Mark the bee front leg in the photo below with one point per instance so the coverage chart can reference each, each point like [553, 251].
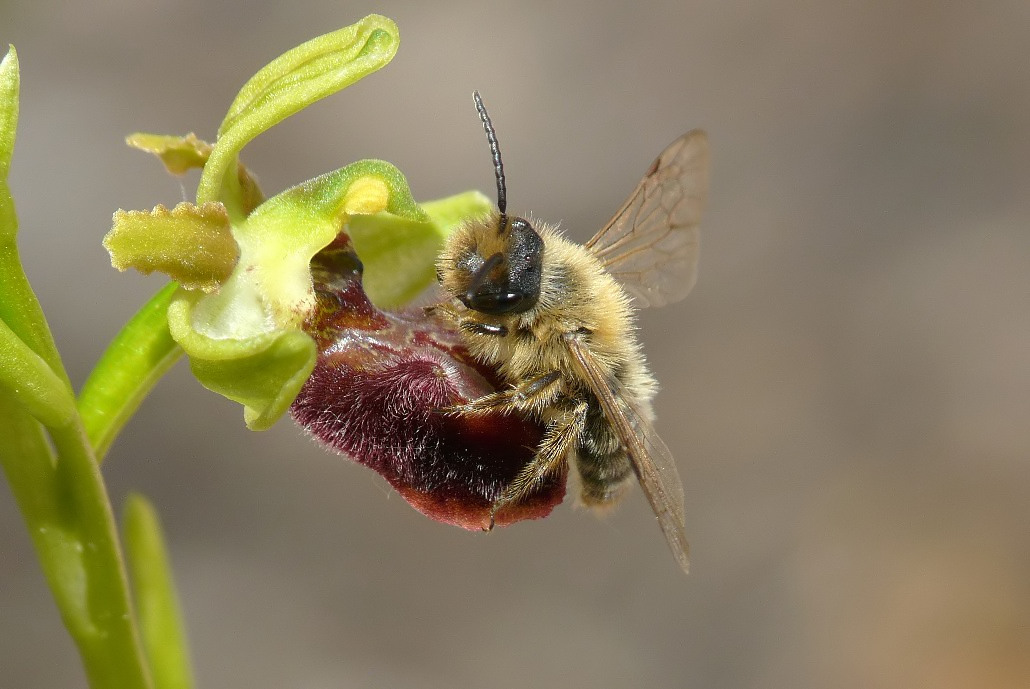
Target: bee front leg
[444, 310]
[449, 312]
[559, 438]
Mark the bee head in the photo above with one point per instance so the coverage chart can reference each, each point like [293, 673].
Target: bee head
[500, 274]
[499, 265]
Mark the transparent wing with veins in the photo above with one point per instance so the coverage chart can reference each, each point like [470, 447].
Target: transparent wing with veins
[653, 463]
[651, 244]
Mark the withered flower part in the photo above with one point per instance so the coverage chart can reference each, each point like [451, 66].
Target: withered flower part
[380, 383]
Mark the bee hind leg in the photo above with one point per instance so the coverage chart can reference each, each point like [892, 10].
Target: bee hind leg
[559, 438]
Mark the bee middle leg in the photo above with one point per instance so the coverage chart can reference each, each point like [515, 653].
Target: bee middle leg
[559, 438]
[528, 395]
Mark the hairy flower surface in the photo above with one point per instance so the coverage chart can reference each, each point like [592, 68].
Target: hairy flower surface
[377, 394]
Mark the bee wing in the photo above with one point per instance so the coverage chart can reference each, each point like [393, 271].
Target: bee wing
[651, 244]
[652, 461]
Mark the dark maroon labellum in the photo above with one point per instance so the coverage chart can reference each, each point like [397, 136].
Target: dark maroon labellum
[376, 395]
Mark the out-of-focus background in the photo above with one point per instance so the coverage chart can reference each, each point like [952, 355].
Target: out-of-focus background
[847, 390]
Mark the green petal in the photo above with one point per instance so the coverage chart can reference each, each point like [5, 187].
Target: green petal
[180, 154]
[264, 373]
[244, 341]
[271, 288]
[399, 254]
[191, 244]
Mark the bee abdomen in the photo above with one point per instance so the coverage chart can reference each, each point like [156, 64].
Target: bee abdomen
[603, 479]
[604, 467]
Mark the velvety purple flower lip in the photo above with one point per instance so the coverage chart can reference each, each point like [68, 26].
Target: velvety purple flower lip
[376, 395]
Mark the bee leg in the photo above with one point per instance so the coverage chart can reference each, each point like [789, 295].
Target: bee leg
[559, 438]
[534, 393]
[483, 329]
[444, 310]
[449, 312]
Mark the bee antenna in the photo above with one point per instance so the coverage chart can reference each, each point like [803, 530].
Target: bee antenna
[495, 150]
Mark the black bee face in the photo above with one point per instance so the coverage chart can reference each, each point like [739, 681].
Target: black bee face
[507, 281]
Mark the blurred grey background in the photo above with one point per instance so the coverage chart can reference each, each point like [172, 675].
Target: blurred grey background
[847, 390]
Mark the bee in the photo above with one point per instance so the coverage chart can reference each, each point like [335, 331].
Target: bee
[557, 321]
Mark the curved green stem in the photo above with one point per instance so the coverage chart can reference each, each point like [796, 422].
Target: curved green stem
[68, 515]
[130, 367]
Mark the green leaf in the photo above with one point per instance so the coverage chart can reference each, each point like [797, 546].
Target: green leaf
[10, 80]
[19, 308]
[31, 382]
[157, 604]
[288, 84]
[191, 244]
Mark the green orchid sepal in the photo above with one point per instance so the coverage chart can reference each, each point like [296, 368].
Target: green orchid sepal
[246, 340]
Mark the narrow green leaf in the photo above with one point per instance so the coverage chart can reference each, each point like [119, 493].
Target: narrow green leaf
[9, 85]
[130, 367]
[33, 383]
[19, 308]
[157, 604]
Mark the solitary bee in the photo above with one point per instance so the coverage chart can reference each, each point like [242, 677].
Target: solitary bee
[556, 319]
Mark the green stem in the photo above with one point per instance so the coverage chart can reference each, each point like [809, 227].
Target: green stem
[56, 480]
[68, 515]
[130, 367]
